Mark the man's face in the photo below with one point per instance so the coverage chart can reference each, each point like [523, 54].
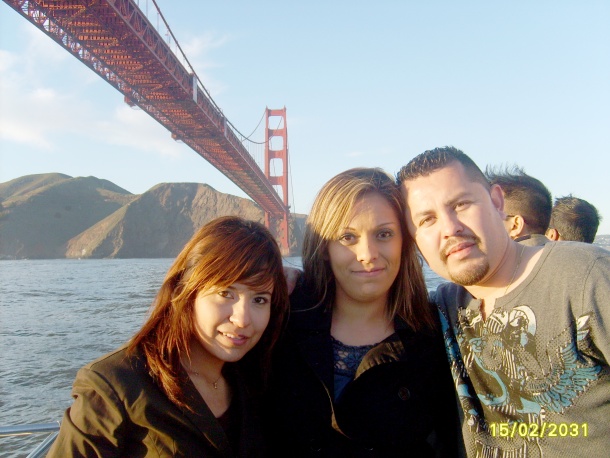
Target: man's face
[457, 224]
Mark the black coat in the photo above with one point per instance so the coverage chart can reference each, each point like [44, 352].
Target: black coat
[400, 402]
[119, 410]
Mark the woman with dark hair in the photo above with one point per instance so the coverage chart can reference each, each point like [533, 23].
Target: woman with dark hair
[362, 369]
[186, 384]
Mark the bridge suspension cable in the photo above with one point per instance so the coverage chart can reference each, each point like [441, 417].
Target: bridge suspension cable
[119, 42]
[192, 70]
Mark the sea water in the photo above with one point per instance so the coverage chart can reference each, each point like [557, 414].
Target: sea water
[58, 315]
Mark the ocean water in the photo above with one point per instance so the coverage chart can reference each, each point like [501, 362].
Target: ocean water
[56, 316]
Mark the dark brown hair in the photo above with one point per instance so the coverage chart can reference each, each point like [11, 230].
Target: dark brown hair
[575, 219]
[432, 160]
[523, 195]
[227, 250]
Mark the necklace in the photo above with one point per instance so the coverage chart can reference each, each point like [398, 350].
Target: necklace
[515, 271]
[214, 383]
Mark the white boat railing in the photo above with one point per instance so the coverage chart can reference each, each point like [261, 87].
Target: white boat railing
[38, 428]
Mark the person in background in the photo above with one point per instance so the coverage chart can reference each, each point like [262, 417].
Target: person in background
[527, 329]
[361, 370]
[188, 382]
[573, 219]
[527, 204]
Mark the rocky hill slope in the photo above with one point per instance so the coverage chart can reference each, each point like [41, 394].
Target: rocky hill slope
[57, 216]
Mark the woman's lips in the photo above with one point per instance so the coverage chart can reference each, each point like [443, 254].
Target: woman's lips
[369, 273]
[235, 339]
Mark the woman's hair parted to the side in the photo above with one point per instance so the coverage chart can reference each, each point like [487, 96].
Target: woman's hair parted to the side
[331, 211]
[227, 250]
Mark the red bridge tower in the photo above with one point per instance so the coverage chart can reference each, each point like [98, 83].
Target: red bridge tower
[277, 174]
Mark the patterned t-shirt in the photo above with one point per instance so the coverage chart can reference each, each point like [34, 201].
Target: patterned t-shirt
[533, 378]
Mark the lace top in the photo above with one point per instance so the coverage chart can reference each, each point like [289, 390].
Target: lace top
[347, 358]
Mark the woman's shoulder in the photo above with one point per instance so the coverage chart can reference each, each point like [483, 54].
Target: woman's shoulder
[118, 357]
[121, 377]
[305, 310]
[119, 367]
[302, 297]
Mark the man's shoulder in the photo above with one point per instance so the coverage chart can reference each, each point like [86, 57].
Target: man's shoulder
[574, 254]
[448, 293]
[533, 240]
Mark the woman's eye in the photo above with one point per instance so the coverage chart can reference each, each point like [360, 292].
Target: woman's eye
[385, 234]
[224, 293]
[261, 300]
[346, 239]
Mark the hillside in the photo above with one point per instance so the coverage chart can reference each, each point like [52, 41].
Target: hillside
[40, 213]
[159, 222]
[54, 215]
[25, 185]
[58, 216]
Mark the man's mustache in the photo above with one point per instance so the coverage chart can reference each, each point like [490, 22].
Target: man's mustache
[454, 241]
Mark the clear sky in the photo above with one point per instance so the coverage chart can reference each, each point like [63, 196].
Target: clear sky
[364, 83]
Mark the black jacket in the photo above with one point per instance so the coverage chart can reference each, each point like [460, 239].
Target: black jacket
[119, 410]
[400, 402]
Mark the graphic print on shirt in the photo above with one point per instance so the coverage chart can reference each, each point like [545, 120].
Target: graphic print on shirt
[514, 381]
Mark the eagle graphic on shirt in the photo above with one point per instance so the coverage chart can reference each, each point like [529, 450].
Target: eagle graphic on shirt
[513, 374]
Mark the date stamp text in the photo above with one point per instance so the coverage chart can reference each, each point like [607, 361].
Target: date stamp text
[532, 430]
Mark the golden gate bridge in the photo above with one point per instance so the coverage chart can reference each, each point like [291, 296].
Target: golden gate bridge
[117, 40]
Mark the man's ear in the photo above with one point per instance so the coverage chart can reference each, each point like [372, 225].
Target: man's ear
[497, 198]
[518, 227]
[552, 234]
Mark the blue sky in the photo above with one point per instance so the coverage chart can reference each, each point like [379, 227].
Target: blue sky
[364, 83]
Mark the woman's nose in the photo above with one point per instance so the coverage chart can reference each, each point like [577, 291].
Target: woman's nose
[366, 250]
[240, 315]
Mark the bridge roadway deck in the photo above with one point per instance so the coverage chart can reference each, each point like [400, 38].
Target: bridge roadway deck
[116, 40]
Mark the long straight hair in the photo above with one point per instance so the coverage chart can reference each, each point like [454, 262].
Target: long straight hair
[225, 251]
[331, 210]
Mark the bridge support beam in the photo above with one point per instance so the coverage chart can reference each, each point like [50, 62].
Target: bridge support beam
[276, 171]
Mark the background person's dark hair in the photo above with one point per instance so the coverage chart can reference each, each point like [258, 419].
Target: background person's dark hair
[432, 160]
[575, 219]
[523, 195]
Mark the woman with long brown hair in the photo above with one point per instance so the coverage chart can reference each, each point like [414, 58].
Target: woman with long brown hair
[187, 383]
[362, 369]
